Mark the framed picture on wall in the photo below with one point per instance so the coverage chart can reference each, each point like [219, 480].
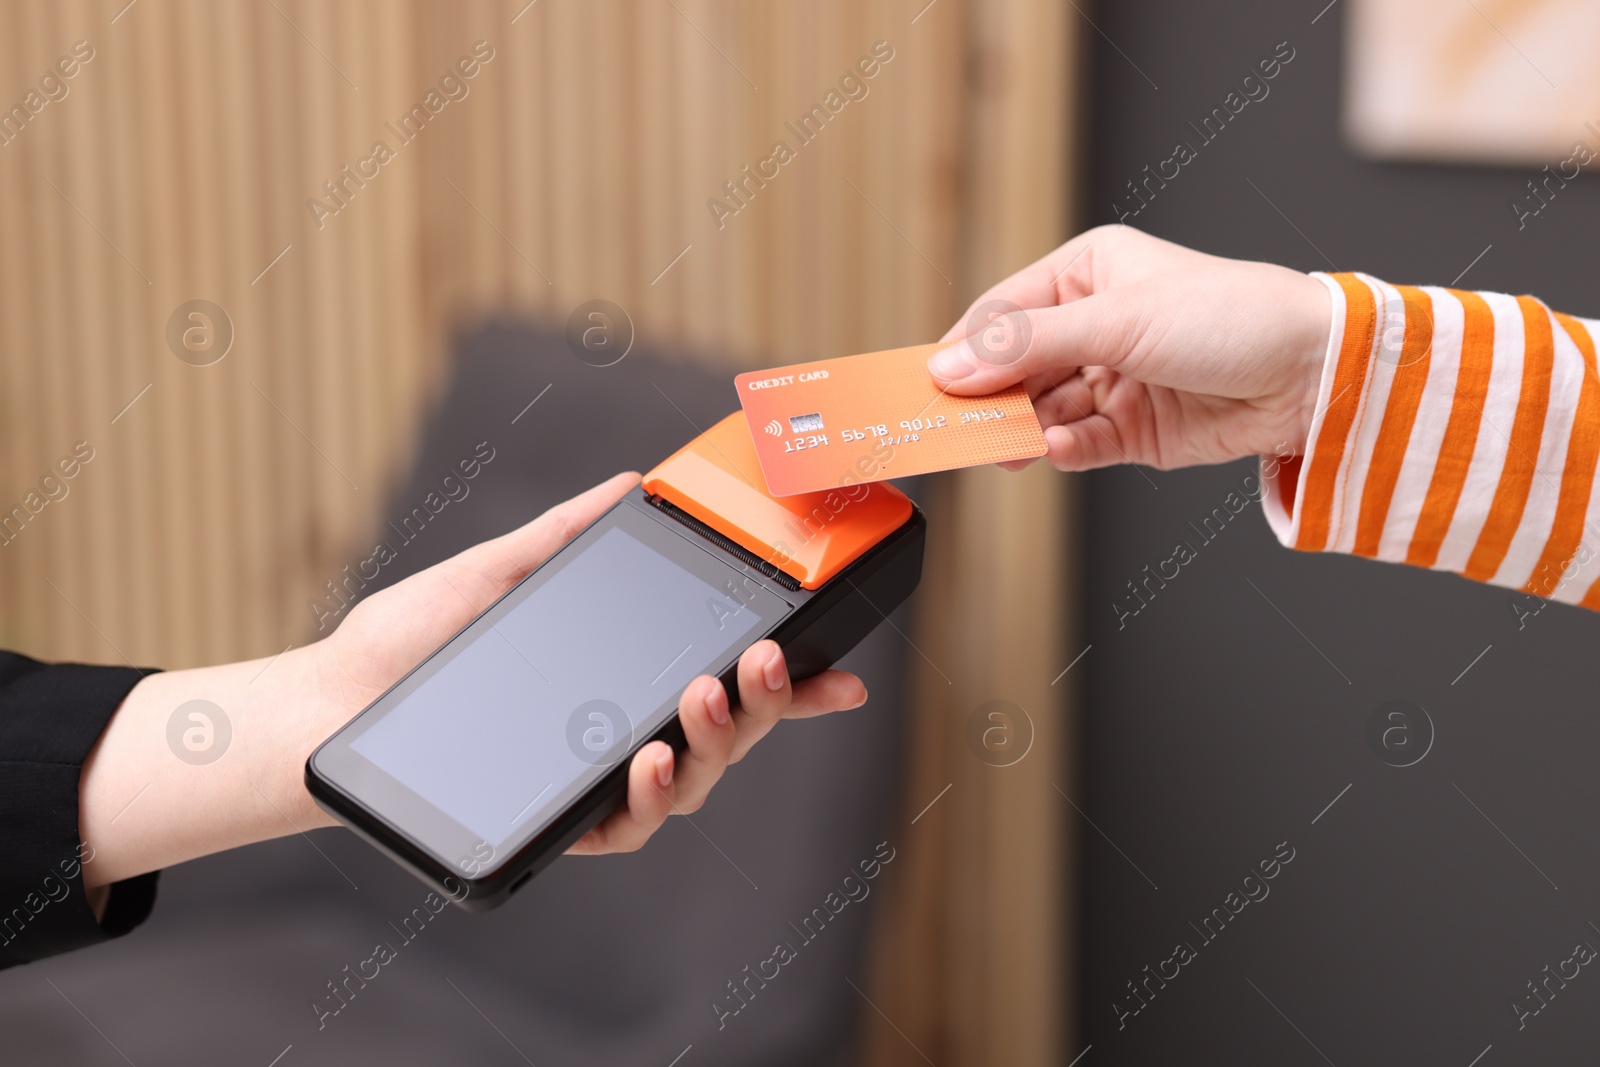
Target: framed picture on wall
[1475, 81]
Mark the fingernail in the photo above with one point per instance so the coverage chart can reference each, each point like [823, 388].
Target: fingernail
[950, 364]
[858, 703]
[773, 673]
[717, 703]
[664, 771]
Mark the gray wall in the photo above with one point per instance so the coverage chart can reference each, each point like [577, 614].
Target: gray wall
[1418, 906]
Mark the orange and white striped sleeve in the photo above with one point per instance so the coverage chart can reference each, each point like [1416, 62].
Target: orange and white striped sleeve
[1453, 430]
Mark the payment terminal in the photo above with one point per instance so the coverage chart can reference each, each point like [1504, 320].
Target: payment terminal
[494, 755]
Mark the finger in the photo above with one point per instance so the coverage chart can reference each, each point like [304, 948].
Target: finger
[1092, 262]
[1083, 445]
[1081, 266]
[1097, 331]
[1034, 286]
[764, 695]
[649, 802]
[708, 725]
[825, 693]
[495, 566]
[1065, 401]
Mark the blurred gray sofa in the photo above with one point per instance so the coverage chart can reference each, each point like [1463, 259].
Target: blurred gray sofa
[616, 960]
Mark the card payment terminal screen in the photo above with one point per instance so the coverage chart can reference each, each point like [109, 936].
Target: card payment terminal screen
[516, 718]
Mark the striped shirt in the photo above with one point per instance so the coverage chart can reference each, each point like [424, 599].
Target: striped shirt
[1453, 430]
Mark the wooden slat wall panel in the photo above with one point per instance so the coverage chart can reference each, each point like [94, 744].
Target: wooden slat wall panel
[595, 137]
[187, 148]
[578, 166]
[973, 962]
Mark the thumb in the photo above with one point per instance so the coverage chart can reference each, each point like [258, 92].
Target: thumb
[507, 559]
[1021, 343]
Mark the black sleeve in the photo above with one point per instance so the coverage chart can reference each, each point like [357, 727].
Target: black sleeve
[50, 717]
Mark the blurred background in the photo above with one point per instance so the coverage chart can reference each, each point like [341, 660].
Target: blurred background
[272, 337]
[358, 337]
[1437, 874]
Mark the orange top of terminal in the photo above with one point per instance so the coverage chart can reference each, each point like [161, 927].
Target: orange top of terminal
[717, 479]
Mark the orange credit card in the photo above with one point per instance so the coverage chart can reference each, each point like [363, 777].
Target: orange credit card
[838, 422]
